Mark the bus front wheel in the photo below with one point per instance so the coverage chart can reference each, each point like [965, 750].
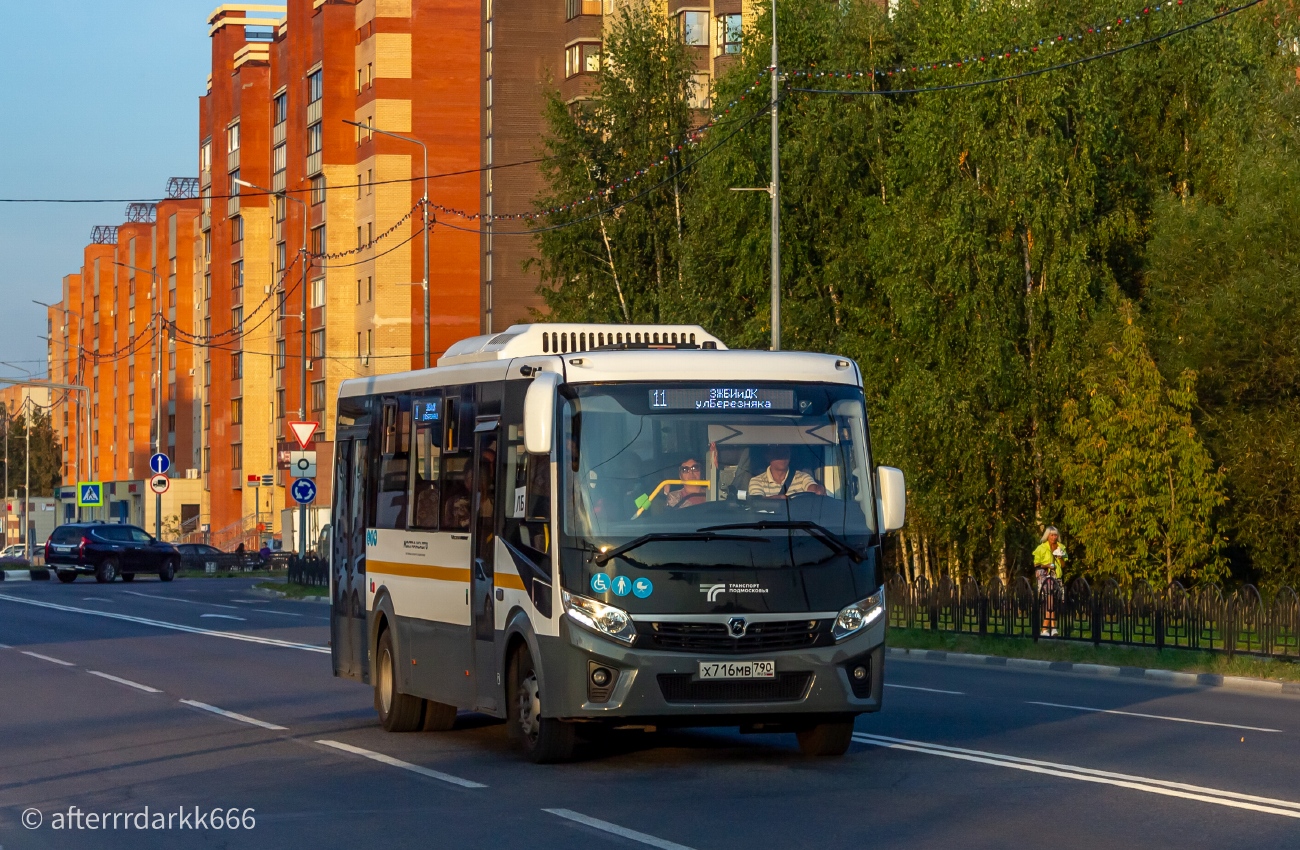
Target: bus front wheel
[545, 739]
[398, 712]
[826, 739]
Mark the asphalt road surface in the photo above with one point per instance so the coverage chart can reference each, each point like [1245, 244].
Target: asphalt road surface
[198, 696]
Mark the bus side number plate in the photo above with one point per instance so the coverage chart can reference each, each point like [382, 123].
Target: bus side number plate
[737, 669]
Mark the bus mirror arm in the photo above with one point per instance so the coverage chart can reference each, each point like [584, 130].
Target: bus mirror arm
[539, 413]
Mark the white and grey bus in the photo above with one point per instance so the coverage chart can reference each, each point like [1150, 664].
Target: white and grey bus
[568, 526]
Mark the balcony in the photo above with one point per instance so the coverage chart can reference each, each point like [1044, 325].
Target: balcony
[278, 133]
[277, 181]
[232, 206]
[313, 163]
[205, 220]
[314, 111]
[232, 160]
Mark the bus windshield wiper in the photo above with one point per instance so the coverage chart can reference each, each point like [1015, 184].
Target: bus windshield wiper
[823, 534]
[703, 534]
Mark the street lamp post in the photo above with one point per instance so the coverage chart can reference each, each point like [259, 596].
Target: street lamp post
[157, 397]
[424, 217]
[306, 261]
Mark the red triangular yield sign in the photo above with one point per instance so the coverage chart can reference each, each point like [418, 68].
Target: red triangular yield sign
[303, 431]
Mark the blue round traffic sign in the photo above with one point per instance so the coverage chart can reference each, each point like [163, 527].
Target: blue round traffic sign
[159, 464]
[303, 491]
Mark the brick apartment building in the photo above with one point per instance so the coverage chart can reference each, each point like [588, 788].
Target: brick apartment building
[327, 212]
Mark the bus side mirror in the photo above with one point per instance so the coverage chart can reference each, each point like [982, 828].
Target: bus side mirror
[539, 413]
[893, 498]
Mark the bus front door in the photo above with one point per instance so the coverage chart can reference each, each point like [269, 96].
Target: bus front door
[348, 562]
[482, 570]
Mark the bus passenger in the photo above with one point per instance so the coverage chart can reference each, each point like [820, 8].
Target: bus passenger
[778, 482]
[688, 496]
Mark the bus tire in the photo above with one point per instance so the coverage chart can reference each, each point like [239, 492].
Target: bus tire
[826, 739]
[438, 716]
[545, 740]
[398, 712]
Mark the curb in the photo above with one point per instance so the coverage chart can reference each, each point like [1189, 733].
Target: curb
[275, 594]
[1168, 677]
[33, 574]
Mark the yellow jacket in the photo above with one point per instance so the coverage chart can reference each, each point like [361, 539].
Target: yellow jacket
[1044, 559]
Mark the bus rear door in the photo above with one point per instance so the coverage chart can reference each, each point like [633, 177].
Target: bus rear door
[482, 571]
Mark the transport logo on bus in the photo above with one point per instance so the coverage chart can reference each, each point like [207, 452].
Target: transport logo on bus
[372, 537]
[712, 591]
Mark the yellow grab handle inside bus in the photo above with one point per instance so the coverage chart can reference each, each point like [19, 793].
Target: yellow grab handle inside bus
[660, 488]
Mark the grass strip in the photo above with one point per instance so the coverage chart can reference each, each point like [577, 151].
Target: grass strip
[1078, 652]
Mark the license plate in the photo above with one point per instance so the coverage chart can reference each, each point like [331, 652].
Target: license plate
[737, 669]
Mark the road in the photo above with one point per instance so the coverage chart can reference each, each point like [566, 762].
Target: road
[118, 713]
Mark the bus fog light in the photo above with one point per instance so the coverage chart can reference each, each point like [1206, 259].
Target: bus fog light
[600, 618]
[856, 617]
[860, 672]
[600, 677]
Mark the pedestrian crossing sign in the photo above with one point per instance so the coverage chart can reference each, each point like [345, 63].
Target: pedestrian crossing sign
[90, 494]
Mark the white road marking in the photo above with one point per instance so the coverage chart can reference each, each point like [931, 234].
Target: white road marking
[615, 829]
[1236, 800]
[48, 658]
[96, 599]
[194, 630]
[1154, 716]
[127, 682]
[927, 690]
[5, 646]
[174, 599]
[222, 617]
[404, 765]
[252, 601]
[242, 718]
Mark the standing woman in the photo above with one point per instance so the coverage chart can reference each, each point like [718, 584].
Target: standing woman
[1048, 560]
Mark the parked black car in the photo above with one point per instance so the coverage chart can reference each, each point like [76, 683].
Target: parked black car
[200, 556]
[108, 550]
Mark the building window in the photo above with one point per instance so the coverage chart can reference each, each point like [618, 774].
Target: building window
[318, 343]
[358, 290]
[236, 318]
[582, 58]
[318, 240]
[237, 281]
[207, 375]
[236, 411]
[281, 108]
[281, 208]
[318, 292]
[318, 395]
[318, 189]
[207, 460]
[236, 230]
[730, 28]
[279, 354]
[205, 156]
[236, 456]
[694, 28]
[281, 256]
[359, 351]
[574, 8]
[314, 139]
[236, 366]
[315, 86]
[232, 138]
[207, 416]
[370, 288]
[699, 92]
[280, 159]
[279, 404]
[370, 341]
[171, 423]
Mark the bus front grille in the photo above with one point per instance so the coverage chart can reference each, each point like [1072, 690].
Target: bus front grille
[765, 636]
[684, 688]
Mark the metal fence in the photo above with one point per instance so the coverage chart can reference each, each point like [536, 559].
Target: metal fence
[310, 571]
[1203, 618]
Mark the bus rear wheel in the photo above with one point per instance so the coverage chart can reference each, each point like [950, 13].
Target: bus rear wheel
[398, 712]
[545, 740]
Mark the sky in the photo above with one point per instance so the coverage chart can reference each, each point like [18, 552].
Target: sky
[99, 100]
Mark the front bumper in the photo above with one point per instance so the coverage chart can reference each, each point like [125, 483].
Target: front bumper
[638, 692]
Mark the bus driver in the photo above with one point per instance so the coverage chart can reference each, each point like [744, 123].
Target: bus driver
[688, 496]
[777, 481]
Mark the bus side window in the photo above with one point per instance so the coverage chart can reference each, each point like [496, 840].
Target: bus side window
[527, 480]
[394, 463]
[426, 490]
[456, 458]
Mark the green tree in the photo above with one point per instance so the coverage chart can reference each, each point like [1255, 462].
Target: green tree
[46, 460]
[623, 265]
[1140, 490]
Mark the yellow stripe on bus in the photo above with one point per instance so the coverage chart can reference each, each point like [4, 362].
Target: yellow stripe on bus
[392, 568]
[510, 580]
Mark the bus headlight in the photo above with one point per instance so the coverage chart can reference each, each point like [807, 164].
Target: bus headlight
[600, 618]
[859, 615]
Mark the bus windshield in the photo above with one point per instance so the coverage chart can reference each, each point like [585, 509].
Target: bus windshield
[749, 475]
